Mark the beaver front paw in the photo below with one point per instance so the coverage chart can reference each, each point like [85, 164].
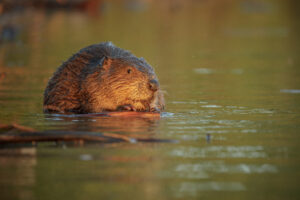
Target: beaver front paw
[126, 107]
[155, 110]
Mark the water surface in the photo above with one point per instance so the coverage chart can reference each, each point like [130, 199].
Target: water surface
[230, 70]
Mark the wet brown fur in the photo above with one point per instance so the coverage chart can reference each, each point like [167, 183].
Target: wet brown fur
[103, 77]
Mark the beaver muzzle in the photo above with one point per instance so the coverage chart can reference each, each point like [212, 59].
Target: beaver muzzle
[153, 85]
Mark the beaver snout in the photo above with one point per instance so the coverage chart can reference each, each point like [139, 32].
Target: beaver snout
[153, 85]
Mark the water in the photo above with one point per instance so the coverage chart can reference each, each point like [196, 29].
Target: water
[231, 73]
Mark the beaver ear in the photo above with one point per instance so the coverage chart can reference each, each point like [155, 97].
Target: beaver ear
[105, 62]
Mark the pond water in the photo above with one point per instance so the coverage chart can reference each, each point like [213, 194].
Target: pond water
[230, 70]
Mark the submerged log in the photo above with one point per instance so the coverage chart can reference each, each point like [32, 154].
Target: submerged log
[57, 137]
[15, 127]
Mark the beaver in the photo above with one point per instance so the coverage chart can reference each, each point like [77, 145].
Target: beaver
[103, 77]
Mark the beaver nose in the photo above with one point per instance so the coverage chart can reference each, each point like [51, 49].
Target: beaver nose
[153, 84]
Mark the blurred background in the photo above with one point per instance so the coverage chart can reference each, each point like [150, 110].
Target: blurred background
[230, 69]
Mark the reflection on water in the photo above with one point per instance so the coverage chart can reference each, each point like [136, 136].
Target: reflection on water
[188, 170]
[221, 152]
[192, 189]
[17, 172]
[231, 73]
[123, 125]
[293, 91]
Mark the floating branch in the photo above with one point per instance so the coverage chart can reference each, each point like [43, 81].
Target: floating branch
[14, 133]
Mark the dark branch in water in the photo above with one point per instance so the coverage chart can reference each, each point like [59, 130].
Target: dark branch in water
[13, 134]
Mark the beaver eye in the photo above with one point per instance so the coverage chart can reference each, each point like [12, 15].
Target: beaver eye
[128, 71]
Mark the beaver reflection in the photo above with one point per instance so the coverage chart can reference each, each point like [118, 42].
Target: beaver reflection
[123, 125]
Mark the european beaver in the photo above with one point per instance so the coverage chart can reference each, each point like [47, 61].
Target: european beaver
[103, 77]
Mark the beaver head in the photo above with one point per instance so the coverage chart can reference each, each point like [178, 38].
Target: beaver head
[104, 78]
[122, 83]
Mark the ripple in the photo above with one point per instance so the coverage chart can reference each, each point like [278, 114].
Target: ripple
[188, 102]
[55, 119]
[167, 114]
[203, 71]
[262, 111]
[193, 188]
[85, 157]
[220, 152]
[291, 91]
[193, 170]
[211, 106]
[249, 131]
